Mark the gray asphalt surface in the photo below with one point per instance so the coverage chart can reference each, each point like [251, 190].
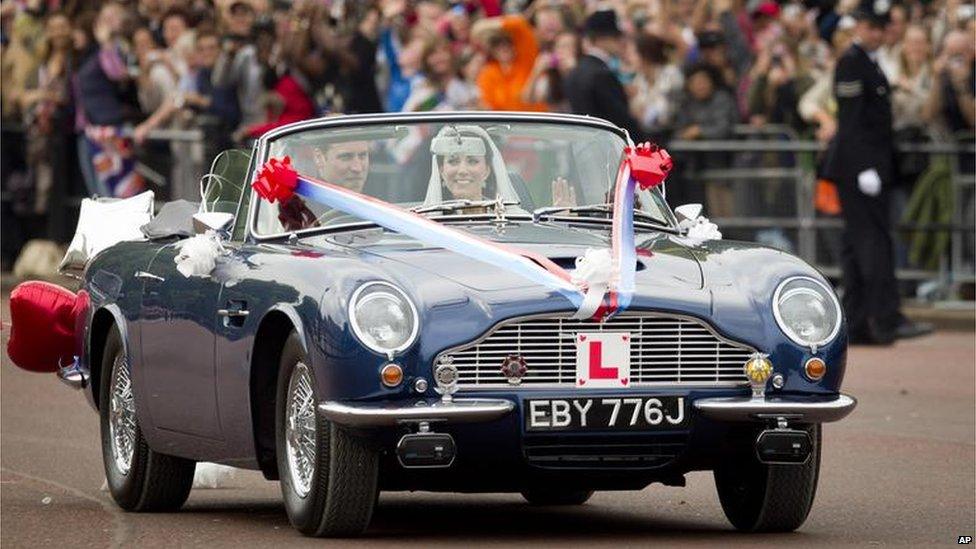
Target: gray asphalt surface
[900, 470]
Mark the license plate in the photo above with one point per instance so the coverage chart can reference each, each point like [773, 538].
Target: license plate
[642, 413]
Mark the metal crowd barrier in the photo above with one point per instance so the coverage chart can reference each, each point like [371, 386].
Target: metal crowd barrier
[957, 267]
[192, 164]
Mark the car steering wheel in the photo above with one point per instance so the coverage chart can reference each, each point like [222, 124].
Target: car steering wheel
[332, 216]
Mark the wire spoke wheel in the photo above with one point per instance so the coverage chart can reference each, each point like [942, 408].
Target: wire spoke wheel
[300, 430]
[139, 478]
[122, 416]
[328, 476]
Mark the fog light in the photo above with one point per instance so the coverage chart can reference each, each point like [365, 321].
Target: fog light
[815, 369]
[758, 369]
[446, 378]
[778, 381]
[391, 374]
[420, 385]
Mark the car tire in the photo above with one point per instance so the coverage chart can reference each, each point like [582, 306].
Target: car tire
[139, 478]
[769, 498]
[331, 491]
[556, 496]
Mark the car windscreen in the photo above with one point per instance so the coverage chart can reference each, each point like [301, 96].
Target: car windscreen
[528, 166]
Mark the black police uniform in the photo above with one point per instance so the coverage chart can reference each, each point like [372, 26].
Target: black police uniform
[865, 141]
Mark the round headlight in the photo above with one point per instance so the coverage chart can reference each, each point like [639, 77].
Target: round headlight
[807, 311]
[383, 317]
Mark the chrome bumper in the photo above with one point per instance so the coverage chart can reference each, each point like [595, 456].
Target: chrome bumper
[460, 410]
[750, 409]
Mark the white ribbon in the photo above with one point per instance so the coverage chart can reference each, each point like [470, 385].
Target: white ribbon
[206, 476]
[593, 272]
[696, 226]
[702, 229]
[197, 256]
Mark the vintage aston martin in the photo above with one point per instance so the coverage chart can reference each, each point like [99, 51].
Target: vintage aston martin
[343, 354]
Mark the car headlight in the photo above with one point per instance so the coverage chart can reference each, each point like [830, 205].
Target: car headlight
[383, 317]
[807, 311]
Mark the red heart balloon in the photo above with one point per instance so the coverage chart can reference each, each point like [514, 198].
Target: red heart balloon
[44, 322]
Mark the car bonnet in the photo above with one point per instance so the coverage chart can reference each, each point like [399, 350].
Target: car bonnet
[662, 260]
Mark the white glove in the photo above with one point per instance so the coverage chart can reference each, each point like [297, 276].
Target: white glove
[869, 182]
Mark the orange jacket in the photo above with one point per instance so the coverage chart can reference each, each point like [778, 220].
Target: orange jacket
[501, 90]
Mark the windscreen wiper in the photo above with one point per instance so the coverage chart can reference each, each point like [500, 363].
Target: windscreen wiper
[607, 207]
[548, 210]
[451, 205]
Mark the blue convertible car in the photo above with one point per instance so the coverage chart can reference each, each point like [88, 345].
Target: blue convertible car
[344, 358]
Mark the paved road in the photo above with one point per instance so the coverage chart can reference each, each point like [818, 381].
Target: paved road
[899, 470]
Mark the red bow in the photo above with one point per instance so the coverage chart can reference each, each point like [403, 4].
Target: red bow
[276, 180]
[649, 164]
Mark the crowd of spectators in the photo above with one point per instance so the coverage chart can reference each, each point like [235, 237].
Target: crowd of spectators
[84, 84]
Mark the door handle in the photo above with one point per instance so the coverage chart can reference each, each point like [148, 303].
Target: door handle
[149, 276]
[233, 313]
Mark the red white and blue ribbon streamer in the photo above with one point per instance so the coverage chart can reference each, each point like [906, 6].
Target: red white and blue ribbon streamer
[644, 166]
[622, 251]
[278, 181]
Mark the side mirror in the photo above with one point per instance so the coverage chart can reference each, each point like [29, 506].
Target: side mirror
[211, 221]
[694, 225]
[686, 214]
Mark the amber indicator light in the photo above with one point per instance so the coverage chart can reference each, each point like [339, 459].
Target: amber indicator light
[815, 369]
[392, 375]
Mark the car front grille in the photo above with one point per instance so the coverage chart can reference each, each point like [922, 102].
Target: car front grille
[665, 349]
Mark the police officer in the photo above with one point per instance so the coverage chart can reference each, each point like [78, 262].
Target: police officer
[861, 160]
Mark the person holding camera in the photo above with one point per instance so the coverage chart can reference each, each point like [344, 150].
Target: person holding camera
[238, 67]
[103, 90]
[951, 104]
[545, 85]
[511, 48]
